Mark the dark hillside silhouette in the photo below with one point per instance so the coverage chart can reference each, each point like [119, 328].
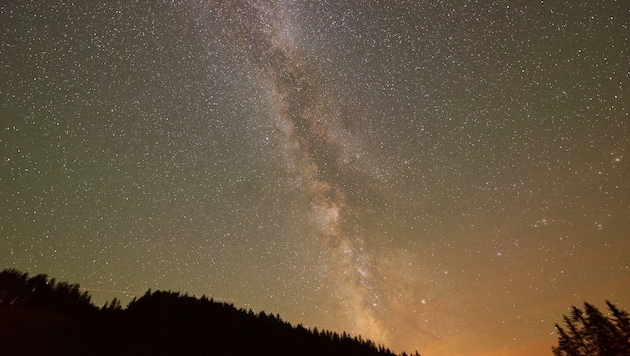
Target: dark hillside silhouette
[41, 317]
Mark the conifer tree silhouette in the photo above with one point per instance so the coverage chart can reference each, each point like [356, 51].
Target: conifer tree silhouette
[591, 333]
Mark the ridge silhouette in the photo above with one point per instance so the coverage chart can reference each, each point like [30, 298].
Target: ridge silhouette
[41, 317]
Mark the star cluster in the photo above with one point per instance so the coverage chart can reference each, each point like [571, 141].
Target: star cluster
[447, 178]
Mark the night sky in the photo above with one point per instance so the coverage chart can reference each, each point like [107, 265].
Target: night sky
[447, 177]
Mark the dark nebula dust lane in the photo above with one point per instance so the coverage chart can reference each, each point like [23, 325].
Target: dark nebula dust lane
[447, 178]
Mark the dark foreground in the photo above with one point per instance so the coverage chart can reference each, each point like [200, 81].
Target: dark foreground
[40, 317]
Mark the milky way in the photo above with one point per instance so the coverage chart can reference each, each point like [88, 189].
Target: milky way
[318, 158]
[441, 177]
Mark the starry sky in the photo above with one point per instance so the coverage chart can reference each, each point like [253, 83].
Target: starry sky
[447, 177]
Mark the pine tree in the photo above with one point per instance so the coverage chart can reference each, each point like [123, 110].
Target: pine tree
[591, 333]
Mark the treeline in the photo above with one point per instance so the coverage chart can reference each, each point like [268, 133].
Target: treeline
[39, 292]
[589, 332]
[41, 317]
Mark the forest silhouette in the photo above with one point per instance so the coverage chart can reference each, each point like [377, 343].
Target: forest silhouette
[589, 332]
[39, 316]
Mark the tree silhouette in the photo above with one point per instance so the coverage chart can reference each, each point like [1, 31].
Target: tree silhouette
[41, 317]
[591, 333]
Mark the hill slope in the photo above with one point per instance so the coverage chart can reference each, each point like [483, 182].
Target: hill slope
[40, 317]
